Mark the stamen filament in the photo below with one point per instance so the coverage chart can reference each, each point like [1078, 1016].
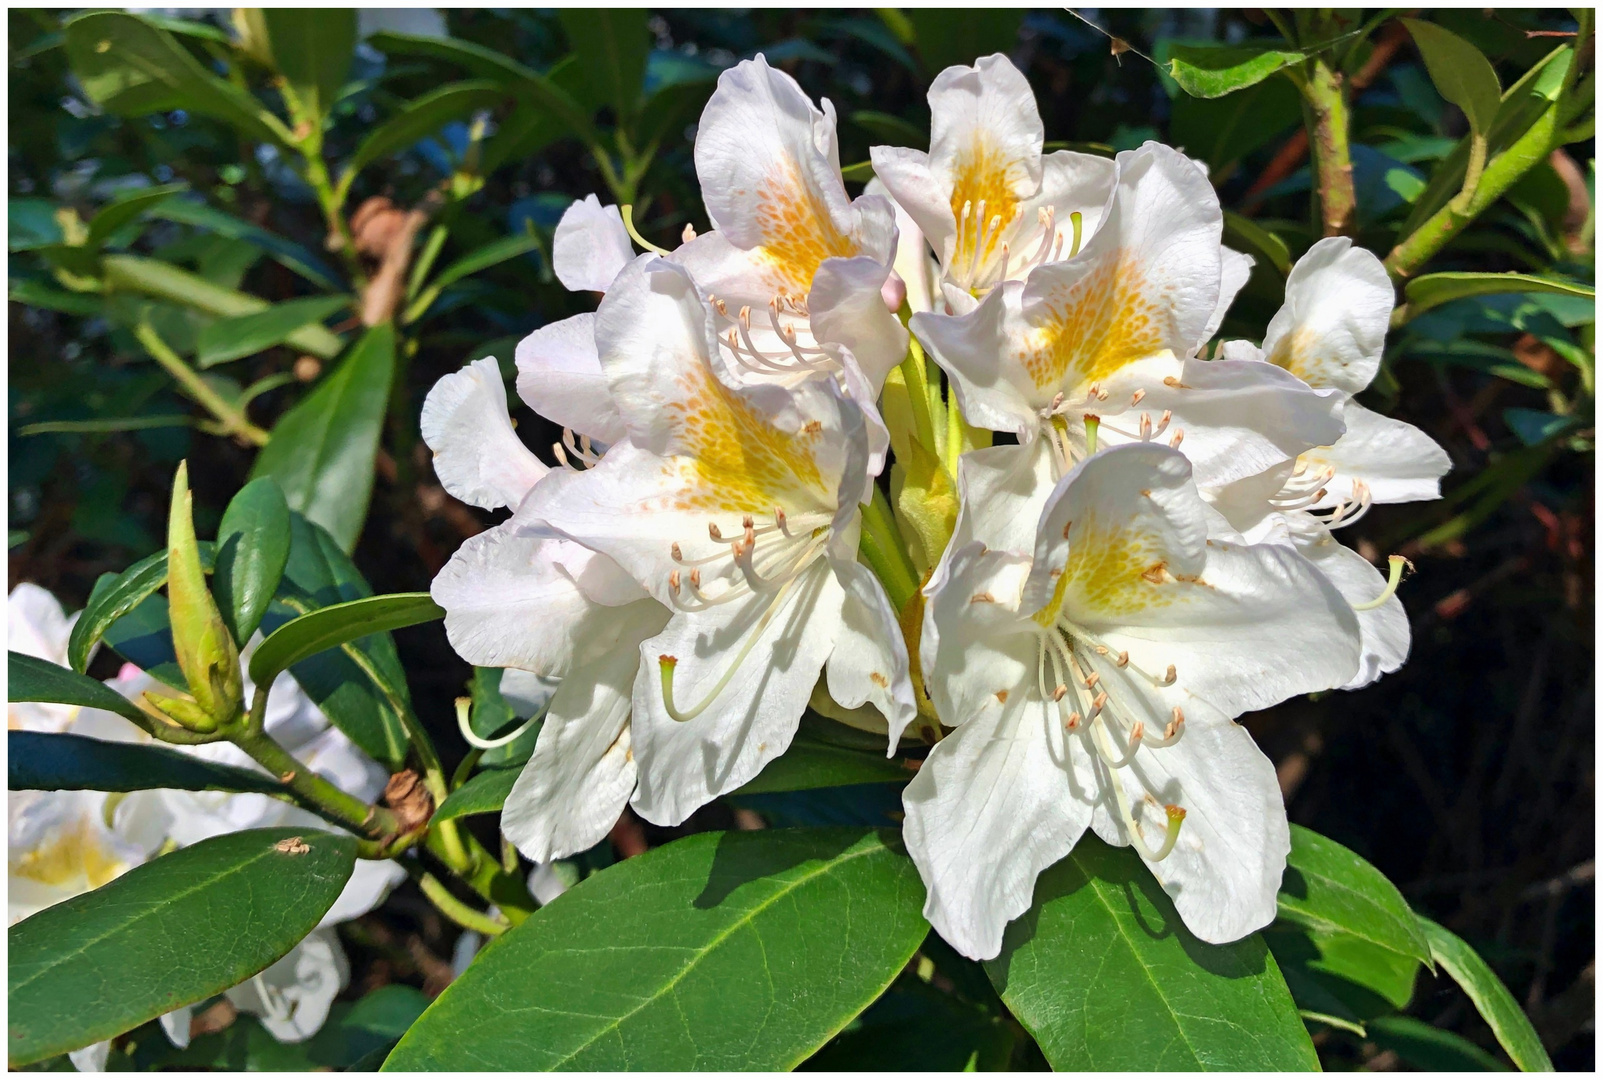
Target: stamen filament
[627, 210]
[1392, 581]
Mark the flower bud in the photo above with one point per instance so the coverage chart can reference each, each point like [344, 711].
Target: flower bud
[206, 652]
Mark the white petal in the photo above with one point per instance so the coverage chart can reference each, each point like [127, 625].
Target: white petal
[176, 1025]
[560, 377]
[846, 307]
[1333, 326]
[1234, 271]
[91, 1058]
[906, 175]
[370, 882]
[753, 716]
[590, 246]
[913, 262]
[477, 456]
[293, 996]
[582, 771]
[1385, 630]
[994, 389]
[1399, 462]
[868, 664]
[36, 625]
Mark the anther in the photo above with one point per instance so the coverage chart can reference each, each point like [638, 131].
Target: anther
[1099, 701]
[1073, 721]
[1179, 434]
[689, 234]
[1168, 677]
[677, 553]
[713, 530]
[1176, 815]
[695, 578]
[1124, 659]
[1138, 730]
[1059, 691]
[1135, 398]
[1171, 382]
[1092, 679]
[673, 579]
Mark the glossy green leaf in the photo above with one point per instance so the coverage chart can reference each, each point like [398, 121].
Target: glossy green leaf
[131, 68]
[1340, 974]
[497, 251]
[115, 595]
[1433, 290]
[484, 793]
[423, 117]
[119, 212]
[169, 933]
[331, 626]
[1461, 72]
[956, 35]
[915, 1028]
[322, 450]
[312, 48]
[718, 951]
[152, 277]
[494, 716]
[1222, 131]
[611, 45]
[1211, 71]
[890, 129]
[42, 761]
[40, 295]
[1105, 976]
[1429, 1048]
[811, 763]
[30, 679]
[1327, 888]
[1248, 236]
[252, 550]
[1492, 999]
[287, 253]
[246, 335]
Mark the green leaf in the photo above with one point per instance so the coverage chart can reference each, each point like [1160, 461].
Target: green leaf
[115, 595]
[246, 335]
[331, 626]
[810, 763]
[1492, 999]
[252, 551]
[493, 716]
[1222, 131]
[322, 450]
[890, 129]
[423, 117]
[286, 252]
[1105, 976]
[1433, 290]
[41, 761]
[1256, 240]
[1461, 72]
[152, 277]
[1534, 427]
[484, 793]
[30, 679]
[497, 251]
[956, 35]
[612, 45]
[131, 68]
[114, 215]
[718, 951]
[1327, 888]
[312, 48]
[1429, 1048]
[1211, 71]
[169, 933]
[40, 295]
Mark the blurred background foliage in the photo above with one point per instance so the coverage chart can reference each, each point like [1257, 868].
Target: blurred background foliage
[155, 227]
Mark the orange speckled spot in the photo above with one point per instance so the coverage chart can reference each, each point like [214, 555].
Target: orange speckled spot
[981, 175]
[1110, 571]
[798, 233]
[1096, 326]
[734, 460]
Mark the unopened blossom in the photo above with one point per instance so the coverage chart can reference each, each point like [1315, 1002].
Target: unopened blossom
[540, 606]
[737, 507]
[989, 202]
[1330, 333]
[1110, 338]
[1092, 673]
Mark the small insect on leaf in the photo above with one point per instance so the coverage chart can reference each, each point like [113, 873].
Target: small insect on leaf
[292, 845]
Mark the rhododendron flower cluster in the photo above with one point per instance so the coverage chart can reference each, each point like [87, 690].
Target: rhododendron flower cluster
[1072, 619]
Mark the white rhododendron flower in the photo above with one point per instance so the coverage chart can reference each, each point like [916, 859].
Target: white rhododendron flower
[1093, 678]
[64, 843]
[989, 202]
[1330, 333]
[1112, 334]
[737, 507]
[519, 598]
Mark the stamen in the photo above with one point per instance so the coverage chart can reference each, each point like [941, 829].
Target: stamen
[464, 704]
[1092, 422]
[688, 235]
[627, 211]
[1393, 580]
[1179, 434]
[1135, 398]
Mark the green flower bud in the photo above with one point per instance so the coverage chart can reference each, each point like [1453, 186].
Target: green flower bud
[206, 652]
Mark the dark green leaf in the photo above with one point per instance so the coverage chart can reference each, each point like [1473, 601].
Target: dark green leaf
[114, 215]
[891, 130]
[327, 627]
[484, 793]
[115, 595]
[1221, 131]
[1328, 888]
[718, 951]
[956, 35]
[132, 68]
[169, 933]
[322, 451]
[611, 45]
[1492, 999]
[1247, 235]
[252, 550]
[286, 252]
[493, 716]
[1432, 290]
[39, 761]
[1429, 1048]
[916, 1028]
[497, 251]
[531, 127]
[246, 335]
[1534, 427]
[424, 117]
[810, 763]
[144, 638]
[30, 679]
[1105, 975]
[40, 295]
[1210, 71]
[152, 277]
[1461, 72]
[311, 47]
[32, 224]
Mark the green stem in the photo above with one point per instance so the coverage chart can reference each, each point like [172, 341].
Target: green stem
[483, 873]
[1328, 141]
[456, 910]
[915, 373]
[309, 788]
[882, 549]
[232, 419]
